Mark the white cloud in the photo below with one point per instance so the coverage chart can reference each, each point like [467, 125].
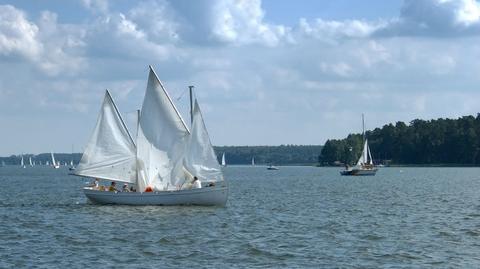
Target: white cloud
[96, 6]
[18, 35]
[246, 70]
[242, 22]
[435, 18]
[335, 31]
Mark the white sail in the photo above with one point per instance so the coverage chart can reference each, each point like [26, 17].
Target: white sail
[71, 162]
[110, 153]
[224, 163]
[200, 159]
[53, 159]
[162, 135]
[21, 162]
[370, 159]
[47, 163]
[253, 161]
[30, 161]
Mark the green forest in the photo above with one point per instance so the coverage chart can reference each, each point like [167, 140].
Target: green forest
[422, 142]
[278, 155]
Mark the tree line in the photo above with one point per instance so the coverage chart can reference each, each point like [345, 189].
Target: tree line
[440, 141]
[278, 155]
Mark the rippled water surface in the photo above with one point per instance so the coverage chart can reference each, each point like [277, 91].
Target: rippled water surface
[297, 217]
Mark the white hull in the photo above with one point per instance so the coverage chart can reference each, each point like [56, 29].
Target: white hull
[208, 196]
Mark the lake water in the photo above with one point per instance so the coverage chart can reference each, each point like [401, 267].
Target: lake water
[297, 217]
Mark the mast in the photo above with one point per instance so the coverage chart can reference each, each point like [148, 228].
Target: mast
[190, 88]
[363, 127]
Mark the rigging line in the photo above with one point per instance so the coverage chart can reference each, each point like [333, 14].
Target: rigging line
[181, 95]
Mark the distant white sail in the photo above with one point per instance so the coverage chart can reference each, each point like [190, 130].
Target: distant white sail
[21, 162]
[47, 163]
[253, 161]
[162, 135]
[53, 159]
[71, 162]
[30, 161]
[110, 153]
[224, 163]
[200, 159]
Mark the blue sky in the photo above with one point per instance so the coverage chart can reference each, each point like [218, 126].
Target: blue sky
[266, 72]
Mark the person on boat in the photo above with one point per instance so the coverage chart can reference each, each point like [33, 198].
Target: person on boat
[132, 189]
[95, 184]
[125, 188]
[112, 186]
[149, 189]
[196, 184]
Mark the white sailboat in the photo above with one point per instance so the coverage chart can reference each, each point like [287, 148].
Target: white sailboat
[55, 164]
[161, 162]
[30, 161]
[72, 166]
[253, 161]
[272, 167]
[364, 165]
[224, 163]
[22, 164]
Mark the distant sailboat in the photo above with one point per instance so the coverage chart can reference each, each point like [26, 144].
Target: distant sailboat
[54, 163]
[253, 161]
[47, 163]
[72, 167]
[22, 164]
[30, 161]
[223, 160]
[272, 167]
[364, 166]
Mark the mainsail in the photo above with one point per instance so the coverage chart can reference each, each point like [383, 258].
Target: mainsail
[200, 159]
[161, 140]
[110, 153]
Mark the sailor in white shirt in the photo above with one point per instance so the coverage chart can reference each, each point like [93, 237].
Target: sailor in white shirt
[196, 184]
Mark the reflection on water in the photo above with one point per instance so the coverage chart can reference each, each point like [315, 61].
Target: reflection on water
[293, 217]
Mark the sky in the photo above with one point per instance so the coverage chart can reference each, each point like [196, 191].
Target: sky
[265, 72]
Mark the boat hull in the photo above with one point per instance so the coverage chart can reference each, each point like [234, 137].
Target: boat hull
[359, 172]
[207, 196]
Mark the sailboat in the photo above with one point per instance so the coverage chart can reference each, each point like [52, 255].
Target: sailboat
[163, 160]
[224, 163]
[272, 167]
[72, 167]
[22, 164]
[365, 165]
[30, 161]
[253, 161]
[55, 165]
